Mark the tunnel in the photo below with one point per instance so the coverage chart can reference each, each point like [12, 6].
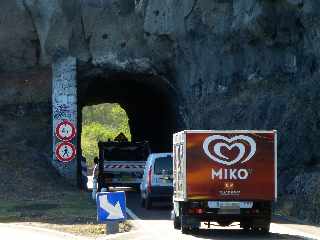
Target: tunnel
[151, 104]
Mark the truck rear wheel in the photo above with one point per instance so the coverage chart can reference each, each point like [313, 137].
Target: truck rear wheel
[189, 229]
[265, 229]
[142, 202]
[148, 203]
[176, 223]
[188, 224]
[246, 228]
[262, 229]
[245, 225]
[185, 229]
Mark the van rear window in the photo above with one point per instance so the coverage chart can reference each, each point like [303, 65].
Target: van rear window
[163, 165]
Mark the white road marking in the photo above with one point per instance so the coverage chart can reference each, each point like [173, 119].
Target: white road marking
[132, 215]
[150, 228]
[143, 227]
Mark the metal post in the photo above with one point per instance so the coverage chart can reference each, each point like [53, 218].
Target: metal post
[64, 107]
[112, 227]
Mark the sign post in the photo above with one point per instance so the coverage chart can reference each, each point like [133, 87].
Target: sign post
[111, 209]
[64, 117]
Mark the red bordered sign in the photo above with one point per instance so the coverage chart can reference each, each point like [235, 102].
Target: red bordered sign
[65, 151]
[65, 131]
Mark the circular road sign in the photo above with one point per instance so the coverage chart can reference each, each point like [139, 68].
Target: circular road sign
[65, 131]
[65, 151]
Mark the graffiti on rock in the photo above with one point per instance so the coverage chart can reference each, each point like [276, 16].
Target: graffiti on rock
[62, 112]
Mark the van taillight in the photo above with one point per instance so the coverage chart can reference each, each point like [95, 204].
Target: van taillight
[149, 179]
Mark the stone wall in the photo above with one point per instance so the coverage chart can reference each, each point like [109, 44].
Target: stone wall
[237, 64]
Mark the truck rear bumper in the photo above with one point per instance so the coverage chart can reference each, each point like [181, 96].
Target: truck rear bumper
[221, 217]
[225, 220]
[258, 215]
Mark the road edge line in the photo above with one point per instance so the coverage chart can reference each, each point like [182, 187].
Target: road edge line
[132, 214]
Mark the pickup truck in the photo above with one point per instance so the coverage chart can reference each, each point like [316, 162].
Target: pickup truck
[224, 177]
[121, 163]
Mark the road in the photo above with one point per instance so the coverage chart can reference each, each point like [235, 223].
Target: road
[155, 224]
[20, 231]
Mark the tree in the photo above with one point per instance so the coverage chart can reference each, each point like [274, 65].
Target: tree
[100, 123]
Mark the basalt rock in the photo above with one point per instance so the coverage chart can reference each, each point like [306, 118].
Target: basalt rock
[229, 65]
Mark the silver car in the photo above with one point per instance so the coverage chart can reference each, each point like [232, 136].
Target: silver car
[156, 182]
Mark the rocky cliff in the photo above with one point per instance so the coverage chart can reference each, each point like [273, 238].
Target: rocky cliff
[241, 64]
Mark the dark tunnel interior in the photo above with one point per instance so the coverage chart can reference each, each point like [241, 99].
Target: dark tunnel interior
[151, 105]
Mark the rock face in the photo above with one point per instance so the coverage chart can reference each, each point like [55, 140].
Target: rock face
[238, 64]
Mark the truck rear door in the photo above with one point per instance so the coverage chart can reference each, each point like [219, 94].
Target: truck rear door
[231, 165]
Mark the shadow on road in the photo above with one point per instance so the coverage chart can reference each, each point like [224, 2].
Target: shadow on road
[160, 209]
[158, 219]
[232, 234]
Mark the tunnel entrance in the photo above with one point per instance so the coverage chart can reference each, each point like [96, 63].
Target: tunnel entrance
[101, 122]
[149, 101]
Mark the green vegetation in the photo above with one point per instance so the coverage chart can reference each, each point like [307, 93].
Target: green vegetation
[100, 123]
[67, 211]
[65, 207]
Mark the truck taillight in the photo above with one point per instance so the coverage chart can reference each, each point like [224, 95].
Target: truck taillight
[255, 211]
[198, 210]
[149, 179]
[195, 210]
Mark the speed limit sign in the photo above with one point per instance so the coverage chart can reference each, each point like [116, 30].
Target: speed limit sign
[65, 130]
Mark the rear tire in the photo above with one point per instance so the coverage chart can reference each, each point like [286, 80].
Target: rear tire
[176, 223]
[245, 226]
[148, 203]
[142, 202]
[194, 230]
[262, 230]
[185, 229]
[265, 229]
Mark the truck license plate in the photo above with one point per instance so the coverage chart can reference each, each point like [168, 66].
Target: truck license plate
[231, 211]
[229, 204]
[219, 204]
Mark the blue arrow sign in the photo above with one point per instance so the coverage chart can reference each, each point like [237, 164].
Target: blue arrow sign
[111, 206]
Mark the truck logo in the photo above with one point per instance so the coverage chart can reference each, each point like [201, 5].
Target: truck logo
[213, 145]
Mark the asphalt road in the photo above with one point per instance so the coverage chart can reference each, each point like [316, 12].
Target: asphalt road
[156, 224]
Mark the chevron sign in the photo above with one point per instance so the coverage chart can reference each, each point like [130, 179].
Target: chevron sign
[111, 206]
